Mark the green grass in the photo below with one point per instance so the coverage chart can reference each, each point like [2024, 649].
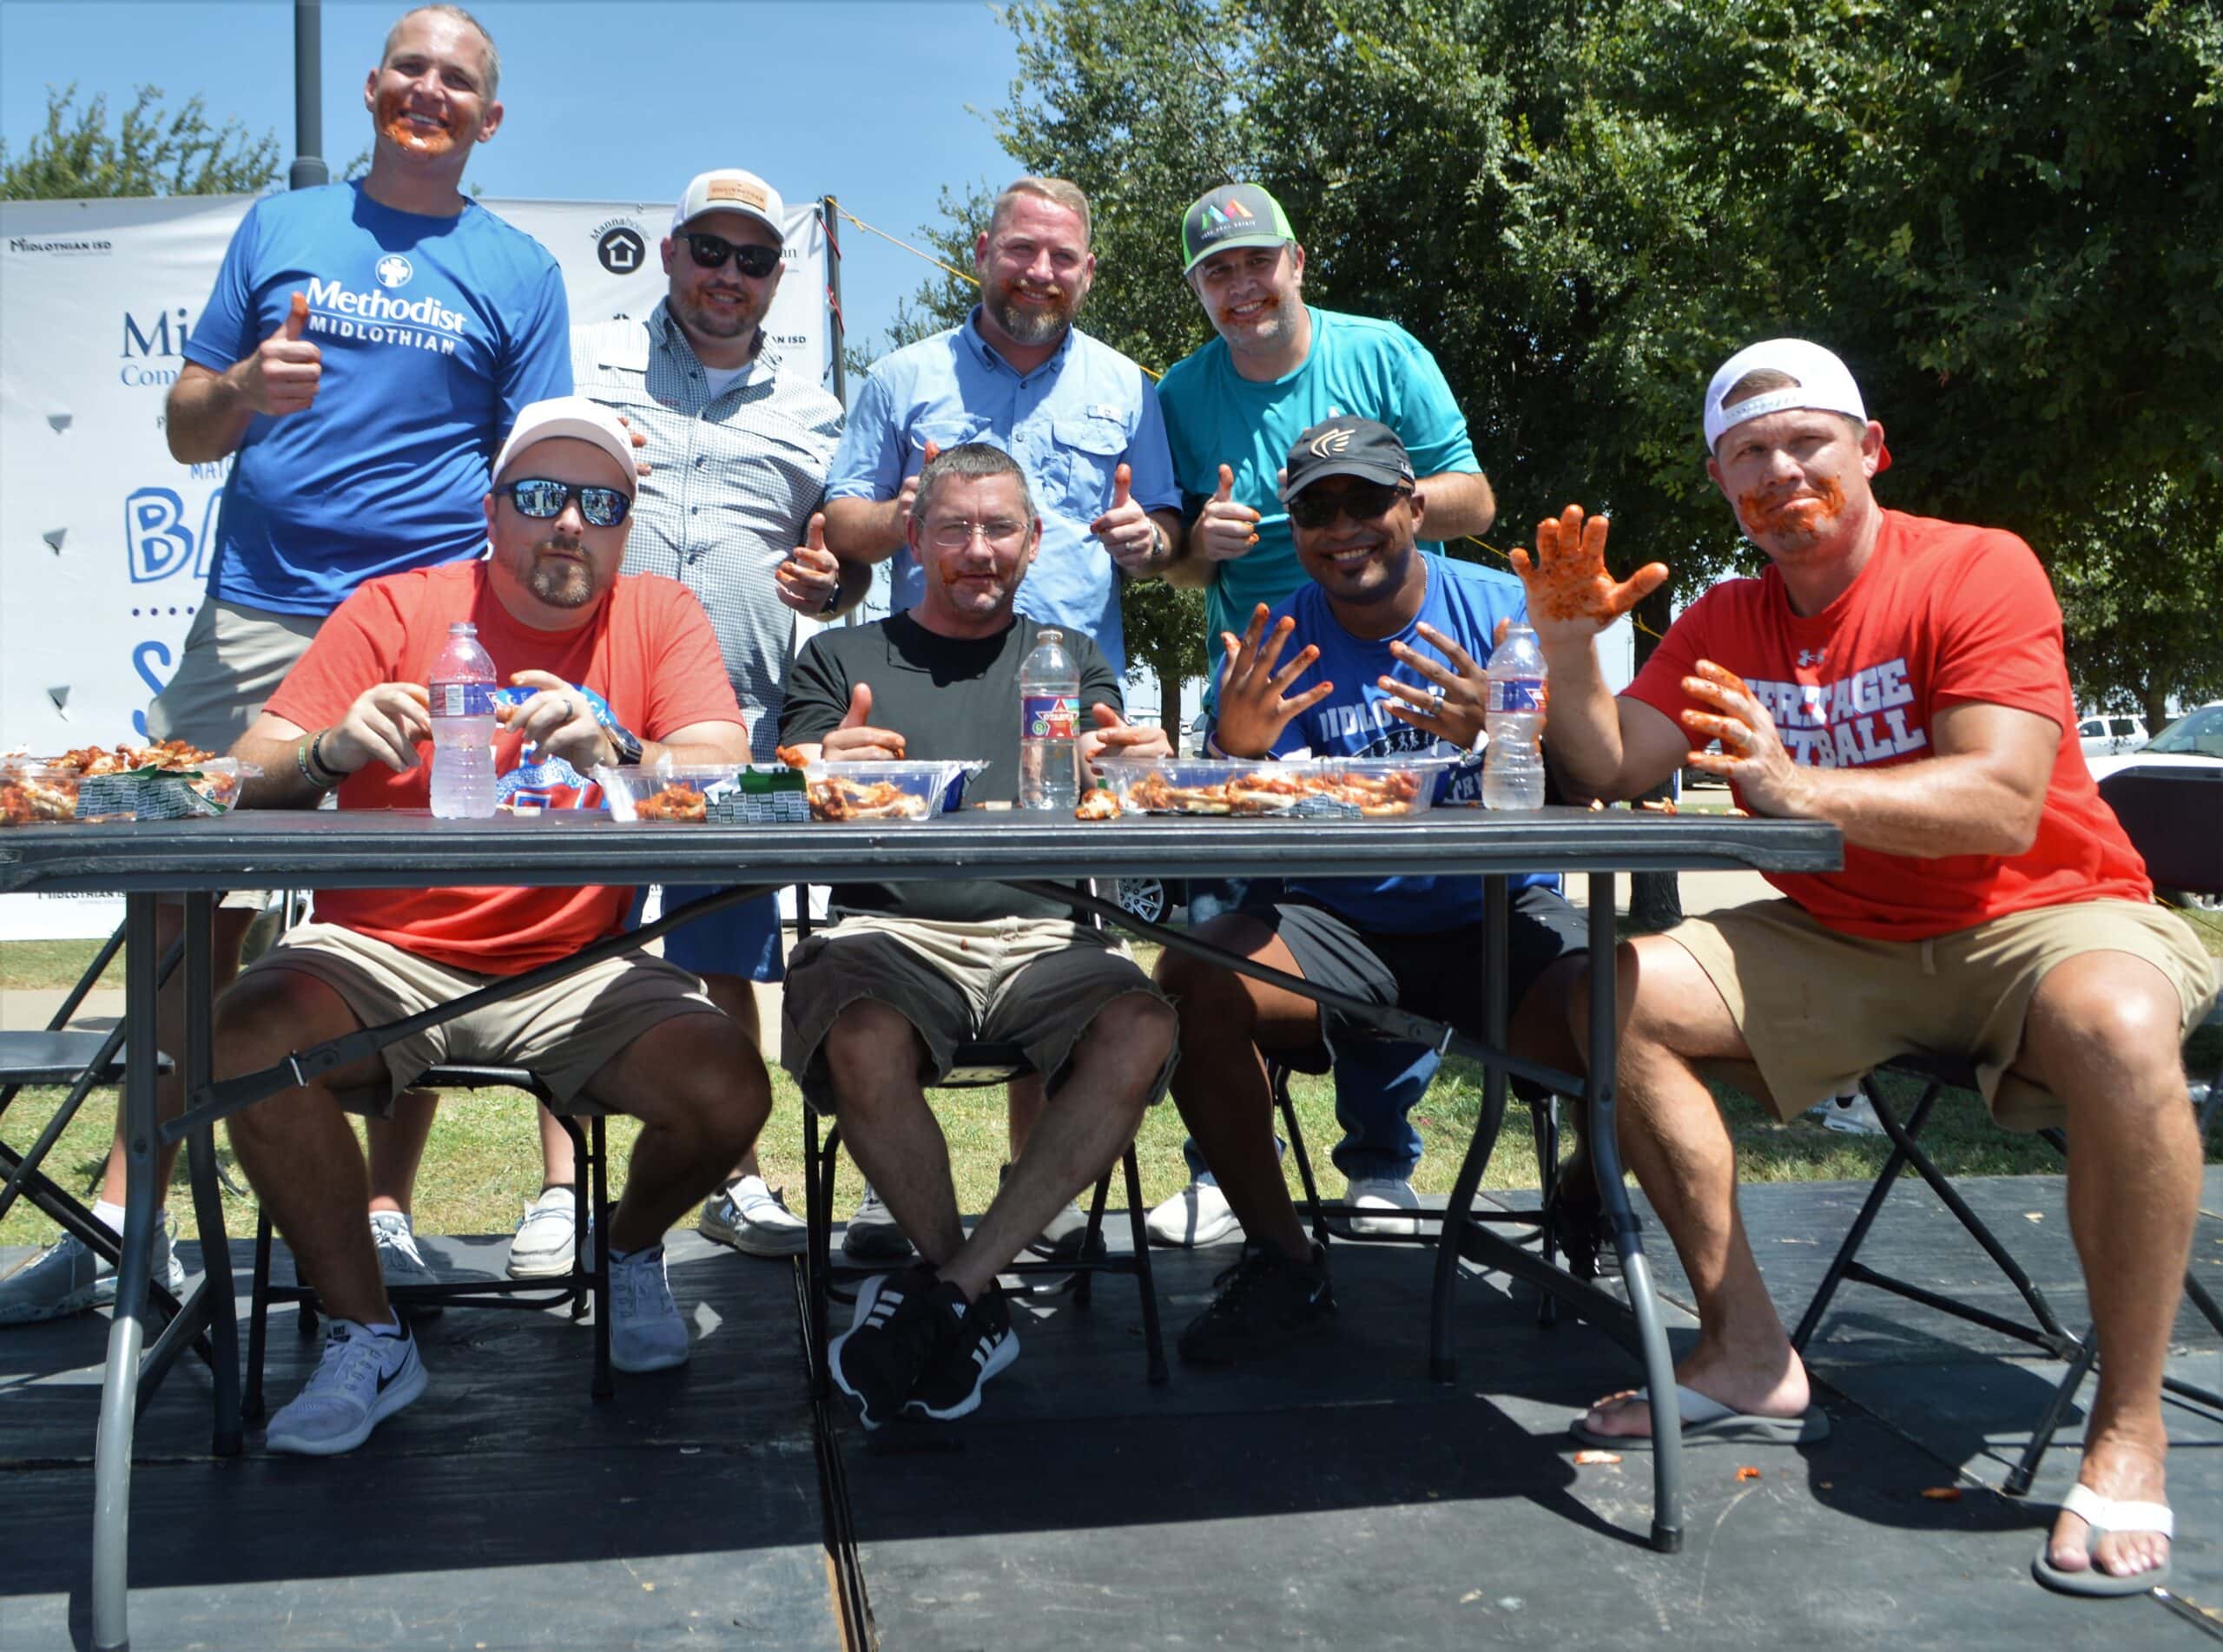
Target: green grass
[483, 1159]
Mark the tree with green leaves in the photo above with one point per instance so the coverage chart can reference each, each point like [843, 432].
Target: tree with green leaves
[150, 152]
[2008, 218]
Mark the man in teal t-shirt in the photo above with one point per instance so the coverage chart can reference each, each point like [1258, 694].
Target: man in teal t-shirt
[1232, 410]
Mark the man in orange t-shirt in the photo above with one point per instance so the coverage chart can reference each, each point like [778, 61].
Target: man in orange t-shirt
[1903, 679]
[632, 1035]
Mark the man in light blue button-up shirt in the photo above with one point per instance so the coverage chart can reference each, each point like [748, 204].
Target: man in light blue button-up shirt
[1018, 373]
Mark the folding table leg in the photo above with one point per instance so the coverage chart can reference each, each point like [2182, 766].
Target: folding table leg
[1153, 1339]
[1442, 1363]
[208, 1201]
[120, 1380]
[604, 1388]
[1629, 1241]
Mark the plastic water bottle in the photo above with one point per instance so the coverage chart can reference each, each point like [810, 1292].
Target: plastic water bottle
[1049, 720]
[463, 728]
[1512, 766]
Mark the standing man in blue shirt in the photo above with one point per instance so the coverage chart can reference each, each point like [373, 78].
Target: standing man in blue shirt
[1390, 651]
[366, 347]
[1277, 367]
[1077, 415]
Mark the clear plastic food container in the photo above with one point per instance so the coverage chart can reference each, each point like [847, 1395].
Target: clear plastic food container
[913, 790]
[1338, 788]
[712, 794]
[36, 793]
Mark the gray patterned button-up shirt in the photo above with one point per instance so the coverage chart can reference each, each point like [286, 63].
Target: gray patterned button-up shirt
[733, 480]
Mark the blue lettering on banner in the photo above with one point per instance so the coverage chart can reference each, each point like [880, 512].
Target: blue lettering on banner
[156, 539]
[140, 655]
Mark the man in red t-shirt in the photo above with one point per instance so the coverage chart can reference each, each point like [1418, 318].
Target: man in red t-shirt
[633, 1035]
[1903, 679]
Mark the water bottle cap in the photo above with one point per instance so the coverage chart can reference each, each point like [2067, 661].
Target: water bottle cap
[462, 627]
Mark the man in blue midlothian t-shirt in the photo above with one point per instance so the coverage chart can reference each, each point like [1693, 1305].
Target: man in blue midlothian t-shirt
[1275, 365]
[1383, 650]
[365, 349]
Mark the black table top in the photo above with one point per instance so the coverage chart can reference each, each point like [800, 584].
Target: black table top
[389, 849]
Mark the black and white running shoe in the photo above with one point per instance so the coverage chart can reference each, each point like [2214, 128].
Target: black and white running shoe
[973, 1349]
[899, 1322]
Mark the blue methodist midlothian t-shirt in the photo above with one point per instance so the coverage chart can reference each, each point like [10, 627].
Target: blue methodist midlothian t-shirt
[434, 332]
[1463, 601]
[1070, 423]
[1358, 367]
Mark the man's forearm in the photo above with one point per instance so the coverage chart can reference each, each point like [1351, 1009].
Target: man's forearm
[1458, 503]
[853, 585]
[292, 774]
[205, 415]
[1187, 570]
[1957, 804]
[1582, 725]
[864, 530]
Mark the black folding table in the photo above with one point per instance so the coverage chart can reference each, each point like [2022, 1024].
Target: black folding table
[323, 849]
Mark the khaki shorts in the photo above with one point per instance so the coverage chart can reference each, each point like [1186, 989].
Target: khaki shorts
[1818, 1009]
[1033, 981]
[234, 659]
[564, 1033]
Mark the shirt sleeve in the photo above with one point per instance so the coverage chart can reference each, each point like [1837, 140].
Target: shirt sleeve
[1150, 459]
[869, 463]
[688, 684]
[1659, 683]
[538, 364]
[1428, 419]
[353, 650]
[1999, 634]
[818, 694]
[228, 329]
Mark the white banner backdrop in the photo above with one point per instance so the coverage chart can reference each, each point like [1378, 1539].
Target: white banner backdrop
[104, 538]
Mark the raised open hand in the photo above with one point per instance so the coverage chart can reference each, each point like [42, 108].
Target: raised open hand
[1570, 594]
[1252, 709]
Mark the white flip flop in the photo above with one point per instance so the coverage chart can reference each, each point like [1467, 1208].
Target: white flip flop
[2104, 1515]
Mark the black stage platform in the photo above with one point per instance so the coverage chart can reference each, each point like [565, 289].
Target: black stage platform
[1338, 1500]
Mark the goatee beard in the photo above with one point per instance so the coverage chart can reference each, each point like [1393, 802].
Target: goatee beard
[1035, 327]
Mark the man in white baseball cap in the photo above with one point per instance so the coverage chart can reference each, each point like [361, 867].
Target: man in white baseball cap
[1903, 679]
[633, 1035]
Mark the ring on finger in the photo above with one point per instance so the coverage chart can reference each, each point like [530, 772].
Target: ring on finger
[1435, 703]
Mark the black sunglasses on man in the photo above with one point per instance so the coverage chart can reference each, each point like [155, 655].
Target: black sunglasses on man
[752, 259]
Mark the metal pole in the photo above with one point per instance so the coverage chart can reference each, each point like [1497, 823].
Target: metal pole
[308, 169]
[828, 217]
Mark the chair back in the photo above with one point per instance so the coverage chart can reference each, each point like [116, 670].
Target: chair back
[2173, 817]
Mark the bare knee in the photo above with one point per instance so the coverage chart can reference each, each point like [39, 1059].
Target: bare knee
[708, 1080]
[2107, 1040]
[1136, 1031]
[1214, 1001]
[867, 1041]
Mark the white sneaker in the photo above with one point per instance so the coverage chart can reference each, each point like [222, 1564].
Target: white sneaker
[1855, 1117]
[362, 1380]
[646, 1333]
[547, 1239]
[1382, 1192]
[752, 1219]
[400, 1262]
[1198, 1214]
[67, 1277]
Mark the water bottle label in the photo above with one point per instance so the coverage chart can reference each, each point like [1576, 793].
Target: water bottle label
[1048, 716]
[1516, 694]
[463, 700]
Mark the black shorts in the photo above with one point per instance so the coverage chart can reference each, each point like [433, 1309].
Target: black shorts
[1438, 975]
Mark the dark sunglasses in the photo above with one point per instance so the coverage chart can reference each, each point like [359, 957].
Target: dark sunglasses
[752, 259]
[542, 498]
[1361, 502]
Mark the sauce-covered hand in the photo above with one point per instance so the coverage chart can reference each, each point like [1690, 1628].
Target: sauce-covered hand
[1571, 596]
[1225, 530]
[1751, 757]
[1252, 709]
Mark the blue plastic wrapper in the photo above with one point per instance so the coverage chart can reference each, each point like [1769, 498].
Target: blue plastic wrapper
[549, 782]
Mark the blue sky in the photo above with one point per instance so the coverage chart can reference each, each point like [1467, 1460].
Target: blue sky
[880, 102]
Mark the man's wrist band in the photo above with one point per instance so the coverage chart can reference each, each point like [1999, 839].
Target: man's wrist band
[308, 757]
[833, 599]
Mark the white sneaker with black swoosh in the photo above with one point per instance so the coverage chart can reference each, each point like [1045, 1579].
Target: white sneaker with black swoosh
[363, 1379]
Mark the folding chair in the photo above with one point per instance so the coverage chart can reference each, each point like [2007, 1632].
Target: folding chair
[589, 1279]
[1325, 1214]
[2174, 817]
[976, 1065]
